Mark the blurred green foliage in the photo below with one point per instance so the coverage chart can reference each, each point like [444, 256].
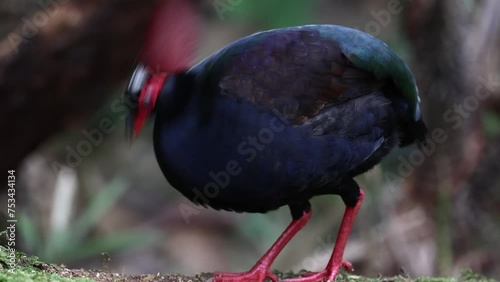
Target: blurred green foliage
[274, 14]
[73, 243]
[491, 123]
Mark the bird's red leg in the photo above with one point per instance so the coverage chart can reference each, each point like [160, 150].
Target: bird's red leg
[336, 262]
[261, 269]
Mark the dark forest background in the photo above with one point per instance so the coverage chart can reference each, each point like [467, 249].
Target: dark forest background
[82, 191]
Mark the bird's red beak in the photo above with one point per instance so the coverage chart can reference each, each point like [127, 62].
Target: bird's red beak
[142, 93]
[147, 101]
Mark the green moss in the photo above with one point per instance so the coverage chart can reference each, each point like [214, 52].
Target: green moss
[466, 276]
[471, 276]
[28, 269]
[348, 277]
[438, 279]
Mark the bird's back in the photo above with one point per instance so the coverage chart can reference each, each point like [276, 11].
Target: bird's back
[317, 113]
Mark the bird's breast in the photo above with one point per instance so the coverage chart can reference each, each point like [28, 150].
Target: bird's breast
[236, 152]
[240, 151]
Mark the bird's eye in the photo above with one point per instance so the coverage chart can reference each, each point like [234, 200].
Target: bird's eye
[132, 93]
[139, 77]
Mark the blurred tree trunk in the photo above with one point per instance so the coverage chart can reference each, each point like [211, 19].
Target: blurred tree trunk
[453, 48]
[59, 64]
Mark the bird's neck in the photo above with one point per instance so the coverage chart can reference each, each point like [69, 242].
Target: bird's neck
[177, 92]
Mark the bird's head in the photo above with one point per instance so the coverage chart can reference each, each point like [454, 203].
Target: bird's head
[169, 47]
[142, 92]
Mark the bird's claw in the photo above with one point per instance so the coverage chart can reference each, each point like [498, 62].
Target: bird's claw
[347, 266]
[254, 275]
[325, 275]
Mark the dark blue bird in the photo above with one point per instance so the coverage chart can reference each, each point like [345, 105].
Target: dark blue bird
[277, 118]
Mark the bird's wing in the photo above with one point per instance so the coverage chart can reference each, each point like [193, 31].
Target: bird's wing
[297, 72]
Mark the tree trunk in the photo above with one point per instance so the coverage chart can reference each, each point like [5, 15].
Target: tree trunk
[59, 64]
[452, 52]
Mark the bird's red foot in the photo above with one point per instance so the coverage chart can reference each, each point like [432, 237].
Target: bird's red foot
[347, 266]
[325, 275]
[254, 275]
[261, 271]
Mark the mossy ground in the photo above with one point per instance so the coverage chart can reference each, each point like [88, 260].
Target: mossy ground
[30, 269]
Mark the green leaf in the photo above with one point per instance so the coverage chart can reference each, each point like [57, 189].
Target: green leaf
[97, 207]
[60, 242]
